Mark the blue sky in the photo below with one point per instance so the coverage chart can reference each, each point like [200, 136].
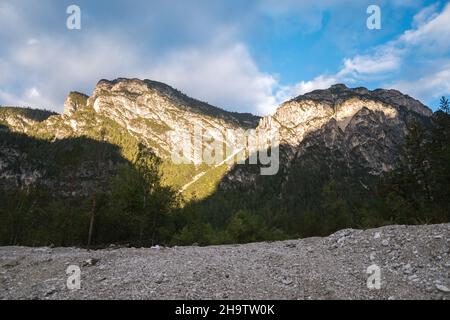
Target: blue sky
[241, 55]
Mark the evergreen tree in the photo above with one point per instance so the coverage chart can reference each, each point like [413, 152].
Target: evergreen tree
[336, 212]
[419, 189]
[444, 105]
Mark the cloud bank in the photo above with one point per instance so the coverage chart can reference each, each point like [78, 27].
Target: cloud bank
[205, 50]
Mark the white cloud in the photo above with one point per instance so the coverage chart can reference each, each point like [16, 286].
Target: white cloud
[8, 15]
[285, 93]
[384, 60]
[224, 75]
[47, 66]
[5, 71]
[358, 68]
[235, 68]
[425, 15]
[33, 41]
[218, 69]
[7, 98]
[430, 86]
[33, 93]
[30, 97]
[46, 69]
[434, 34]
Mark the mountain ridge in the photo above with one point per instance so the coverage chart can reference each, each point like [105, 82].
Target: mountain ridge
[359, 130]
[337, 93]
[333, 267]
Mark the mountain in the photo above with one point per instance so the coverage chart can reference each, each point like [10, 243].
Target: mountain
[336, 149]
[126, 113]
[150, 110]
[339, 129]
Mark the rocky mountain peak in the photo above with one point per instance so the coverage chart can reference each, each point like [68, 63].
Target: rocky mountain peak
[339, 86]
[131, 86]
[339, 93]
[353, 128]
[312, 110]
[154, 95]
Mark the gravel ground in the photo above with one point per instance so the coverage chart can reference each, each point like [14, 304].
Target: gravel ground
[414, 262]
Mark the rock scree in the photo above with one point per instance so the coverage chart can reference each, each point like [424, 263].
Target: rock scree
[413, 262]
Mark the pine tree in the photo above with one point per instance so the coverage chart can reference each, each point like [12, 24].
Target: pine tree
[419, 189]
[444, 105]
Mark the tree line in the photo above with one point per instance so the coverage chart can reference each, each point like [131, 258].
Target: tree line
[138, 210]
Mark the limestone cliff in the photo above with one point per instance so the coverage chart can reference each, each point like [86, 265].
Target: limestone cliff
[356, 130]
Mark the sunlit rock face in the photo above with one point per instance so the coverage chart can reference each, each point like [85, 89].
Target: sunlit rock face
[358, 129]
[74, 102]
[124, 113]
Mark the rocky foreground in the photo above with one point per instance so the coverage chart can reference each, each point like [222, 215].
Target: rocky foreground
[414, 263]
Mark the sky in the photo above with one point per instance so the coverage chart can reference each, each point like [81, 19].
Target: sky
[240, 55]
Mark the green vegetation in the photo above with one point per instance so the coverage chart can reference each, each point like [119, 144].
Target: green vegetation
[317, 200]
[138, 209]
[80, 99]
[418, 191]
[177, 175]
[32, 114]
[207, 184]
[135, 208]
[152, 125]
